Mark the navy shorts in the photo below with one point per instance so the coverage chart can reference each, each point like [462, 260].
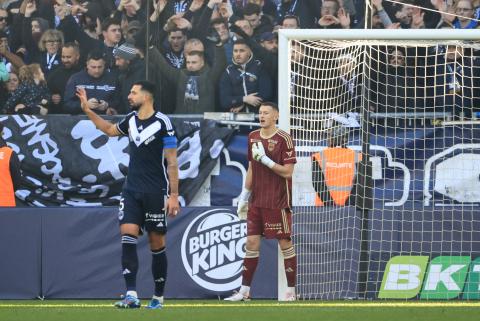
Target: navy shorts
[143, 209]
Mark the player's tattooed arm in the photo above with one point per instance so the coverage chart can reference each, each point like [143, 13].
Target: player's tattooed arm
[172, 207]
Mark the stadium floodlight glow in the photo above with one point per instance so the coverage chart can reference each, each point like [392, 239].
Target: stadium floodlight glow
[405, 101]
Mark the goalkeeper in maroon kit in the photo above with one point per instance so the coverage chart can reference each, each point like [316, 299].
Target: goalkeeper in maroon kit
[266, 198]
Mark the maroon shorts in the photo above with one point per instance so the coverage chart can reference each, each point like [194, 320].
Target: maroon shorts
[271, 223]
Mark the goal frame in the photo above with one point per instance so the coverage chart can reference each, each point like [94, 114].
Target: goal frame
[284, 95]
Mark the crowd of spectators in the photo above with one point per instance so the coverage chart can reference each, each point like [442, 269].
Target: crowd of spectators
[204, 55]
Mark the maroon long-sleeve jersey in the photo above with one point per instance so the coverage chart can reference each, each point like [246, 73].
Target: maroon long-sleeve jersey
[270, 190]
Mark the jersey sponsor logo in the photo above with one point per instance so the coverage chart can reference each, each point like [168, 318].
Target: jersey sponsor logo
[213, 248]
[154, 217]
[148, 140]
[149, 131]
[2, 155]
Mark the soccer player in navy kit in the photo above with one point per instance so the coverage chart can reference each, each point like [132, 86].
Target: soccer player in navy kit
[149, 194]
[265, 201]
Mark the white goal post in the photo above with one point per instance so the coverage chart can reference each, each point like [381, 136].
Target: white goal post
[408, 134]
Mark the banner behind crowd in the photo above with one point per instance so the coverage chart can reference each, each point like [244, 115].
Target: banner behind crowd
[67, 161]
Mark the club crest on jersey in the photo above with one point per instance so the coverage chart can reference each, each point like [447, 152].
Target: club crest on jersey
[271, 144]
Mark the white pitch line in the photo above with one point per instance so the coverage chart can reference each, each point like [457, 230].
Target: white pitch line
[254, 305]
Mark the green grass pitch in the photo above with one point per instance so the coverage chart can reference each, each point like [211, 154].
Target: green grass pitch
[178, 310]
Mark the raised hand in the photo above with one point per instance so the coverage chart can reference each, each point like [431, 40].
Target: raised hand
[344, 18]
[328, 20]
[30, 9]
[258, 151]
[196, 4]
[82, 96]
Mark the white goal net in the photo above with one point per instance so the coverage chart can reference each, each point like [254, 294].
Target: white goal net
[387, 185]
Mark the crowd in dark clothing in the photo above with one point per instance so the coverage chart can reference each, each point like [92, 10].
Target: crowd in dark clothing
[203, 55]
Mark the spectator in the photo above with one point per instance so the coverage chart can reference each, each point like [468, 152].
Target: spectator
[174, 50]
[129, 10]
[305, 10]
[89, 19]
[196, 84]
[131, 70]
[259, 23]
[221, 27]
[244, 84]
[8, 87]
[32, 95]
[131, 30]
[32, 32]
[4, 20]
[57, 80]
[100, 84]
[332, 16]
[245, 26]
[266, 52]
[467, 15]
[111, 33]
[49, 56]
[290, 22]
[396, 84]
[7, 58]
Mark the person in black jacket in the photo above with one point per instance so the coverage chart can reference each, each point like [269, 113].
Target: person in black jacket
[244, 84]
[111, 32]
[100, 84]
[57, 80]
[260, 23]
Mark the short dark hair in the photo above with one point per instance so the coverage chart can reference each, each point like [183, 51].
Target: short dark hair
[1, 129]
[251, 8]
[96, 55]
[147, 86]
[72, 45]
[270, 104]
[291, 16]
[183, 31]
[108, 22]
[241, 42]
[218, 21]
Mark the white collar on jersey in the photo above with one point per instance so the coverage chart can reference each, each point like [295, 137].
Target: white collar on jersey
[139, 138]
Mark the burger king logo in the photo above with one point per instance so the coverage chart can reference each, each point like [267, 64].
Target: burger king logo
[213, 248]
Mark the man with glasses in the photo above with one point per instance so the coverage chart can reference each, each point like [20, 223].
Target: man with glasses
[3, 20]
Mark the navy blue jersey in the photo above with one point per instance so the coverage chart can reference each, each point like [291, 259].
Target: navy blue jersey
[147, 171]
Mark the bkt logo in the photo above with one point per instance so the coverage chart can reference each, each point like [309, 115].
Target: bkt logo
[446, 278]
[213, 248]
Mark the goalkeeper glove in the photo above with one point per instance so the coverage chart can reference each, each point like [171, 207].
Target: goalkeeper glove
[242, 208]
[258, 153]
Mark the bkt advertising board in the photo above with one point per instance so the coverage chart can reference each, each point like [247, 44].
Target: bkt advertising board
[444, 277]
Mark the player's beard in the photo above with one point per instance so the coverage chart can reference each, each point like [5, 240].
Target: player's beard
[134, 106]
